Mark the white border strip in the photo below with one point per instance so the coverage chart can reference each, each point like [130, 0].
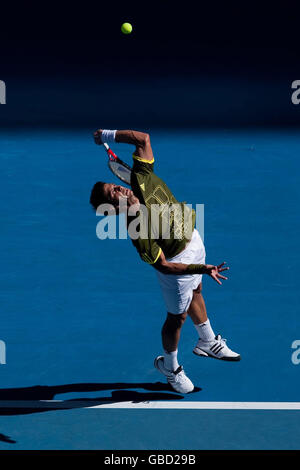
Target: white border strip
[162, 405]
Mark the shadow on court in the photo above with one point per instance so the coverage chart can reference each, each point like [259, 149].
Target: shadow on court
[7, 439]
[15, 401]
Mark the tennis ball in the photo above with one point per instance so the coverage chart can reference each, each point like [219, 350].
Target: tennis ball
[126, 28]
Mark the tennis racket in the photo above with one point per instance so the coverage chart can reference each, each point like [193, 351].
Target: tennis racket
[117, 166]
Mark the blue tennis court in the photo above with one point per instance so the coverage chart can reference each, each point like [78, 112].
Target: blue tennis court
[81, 317]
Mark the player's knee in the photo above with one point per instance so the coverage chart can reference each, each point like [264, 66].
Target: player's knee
[176, 321]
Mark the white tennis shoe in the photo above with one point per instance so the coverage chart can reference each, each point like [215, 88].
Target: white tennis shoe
[217, 349]
[177, 379]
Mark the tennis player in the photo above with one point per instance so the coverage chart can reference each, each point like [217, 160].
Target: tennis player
[179, 259]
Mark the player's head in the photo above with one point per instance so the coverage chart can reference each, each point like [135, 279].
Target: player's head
[116, 195]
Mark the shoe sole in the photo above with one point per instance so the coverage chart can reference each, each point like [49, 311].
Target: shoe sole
[227, 359]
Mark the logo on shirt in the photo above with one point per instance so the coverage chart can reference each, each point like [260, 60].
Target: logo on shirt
[143, 186]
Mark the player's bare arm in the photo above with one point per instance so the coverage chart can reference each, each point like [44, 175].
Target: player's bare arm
[166, 267]
[141, 140]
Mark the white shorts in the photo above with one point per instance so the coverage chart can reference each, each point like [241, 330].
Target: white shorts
[177, 290]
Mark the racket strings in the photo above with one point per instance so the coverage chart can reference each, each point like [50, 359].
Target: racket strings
[119, 170]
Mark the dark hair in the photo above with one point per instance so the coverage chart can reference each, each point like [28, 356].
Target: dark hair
[97, 195]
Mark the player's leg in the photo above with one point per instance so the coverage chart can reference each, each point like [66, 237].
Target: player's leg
[171, 331]
[198, 314]
[177, 293]
[197, 308]
[208, 344]
[168, 364]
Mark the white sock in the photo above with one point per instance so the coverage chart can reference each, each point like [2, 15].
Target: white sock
[170, 360]
[205, 331]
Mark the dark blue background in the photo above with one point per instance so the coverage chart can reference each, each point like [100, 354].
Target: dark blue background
[185, 66]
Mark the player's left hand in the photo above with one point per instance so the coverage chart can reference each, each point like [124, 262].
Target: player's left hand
[214, 272]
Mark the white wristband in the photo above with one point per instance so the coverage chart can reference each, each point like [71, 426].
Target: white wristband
[108, 135]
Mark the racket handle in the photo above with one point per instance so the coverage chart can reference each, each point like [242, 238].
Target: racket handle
[110, 153]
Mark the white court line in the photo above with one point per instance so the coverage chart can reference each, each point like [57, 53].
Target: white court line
[205, 405]
[163, 405]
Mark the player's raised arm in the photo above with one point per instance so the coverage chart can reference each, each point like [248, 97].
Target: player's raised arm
[166, 267]
[141, 140]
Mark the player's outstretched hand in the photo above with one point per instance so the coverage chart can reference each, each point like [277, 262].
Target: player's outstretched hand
[97, 137]
[214, 272]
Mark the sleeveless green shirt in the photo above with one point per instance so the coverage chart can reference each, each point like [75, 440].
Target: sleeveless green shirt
[166, 224]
